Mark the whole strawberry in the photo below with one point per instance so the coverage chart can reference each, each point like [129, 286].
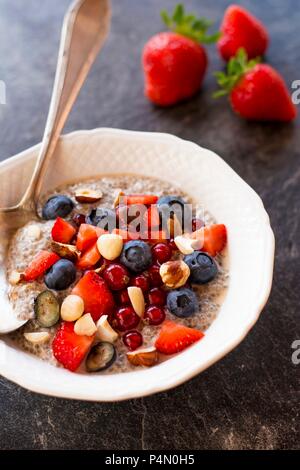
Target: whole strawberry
[174, 62]
[256, 91]
[240, 28]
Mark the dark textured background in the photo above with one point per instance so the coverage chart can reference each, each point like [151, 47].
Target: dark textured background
[250, 399]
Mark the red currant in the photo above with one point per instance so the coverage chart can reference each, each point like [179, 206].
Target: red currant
[140, 281]
[197, 224]
[157, 296]
[78, 219]
[162, 252]
[155, 315]
[154, 276]
[126, 319]
[122, 297]
[172, 245]
[116, 276]
[133, 340]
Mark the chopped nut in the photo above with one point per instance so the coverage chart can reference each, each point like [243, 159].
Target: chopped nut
[87, 195]
[174, 273]
[117, 198]
[65, 251]
[37, 337]
[137, 300]
[72, 308]
[110, 245]
[184, 244]
[15, 278]
[85, 326]
[33, 232]
[197, 238]
[143, 357]
[104, 331]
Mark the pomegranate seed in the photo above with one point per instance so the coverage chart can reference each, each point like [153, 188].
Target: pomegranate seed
[157, 296]
[155, 315]
[140, 281]
[116, 276]
[162, 252]
[172, 245]
[122, 297]
[197, 224]
[78, 219]
[126, 319]
[154, 276]
[133, 340]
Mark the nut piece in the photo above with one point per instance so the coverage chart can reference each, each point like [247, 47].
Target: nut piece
[37, 337]
[118, 197]
[174, 273]
[184, 244]
[110, 245]
[72, 308]
[15, 278]
[137, 300]
[65, 251]
[85, 326]
[87, 195]
[33, 232]
[104, 331]
[143, 357]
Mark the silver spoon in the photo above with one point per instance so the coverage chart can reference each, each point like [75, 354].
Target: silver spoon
[85, 28]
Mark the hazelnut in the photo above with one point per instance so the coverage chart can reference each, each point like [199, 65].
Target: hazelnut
[105, 331]
[65, 251]
[110, 245]
[174, 273]
[72, 308]
[184, 244]
[87, 195]
[85, 326]
[143, 357]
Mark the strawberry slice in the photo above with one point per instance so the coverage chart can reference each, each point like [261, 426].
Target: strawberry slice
[174, 337]
[89, 258]
[68, 348]
[62, 231]
[212, 239]
[152, 218]
[87, 236]
[145, 199]
[40, 264]
[98, 299]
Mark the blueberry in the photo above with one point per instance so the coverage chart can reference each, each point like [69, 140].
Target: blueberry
[202, 266]
[57, 206]
[103, 218]
[168, 206]
[182, 302]
[61, 275]
[136, 256]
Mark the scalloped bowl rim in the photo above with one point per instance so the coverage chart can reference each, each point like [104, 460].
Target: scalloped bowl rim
[156, 379]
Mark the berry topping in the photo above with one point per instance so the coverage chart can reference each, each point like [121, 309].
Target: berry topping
[122, 297]
[98, 299]
[46, 309]
[62, 231]
[126, 319]
[61, 275]
[40, 264]
[133, 339]
[78, 219]
[154, 276]
[175, 206]
[143, 199]
[136, 255]
[174, 337]
[100, 357]
[57, 206]
[140, 281]
[116, 276]
[202, 266]
[103, 218]
[214, 238]
[161, 252]
[89, 258]
[157, 296]
[182, 302]
[68, 348]
[87, 236]
[197, 224]
[154, 315]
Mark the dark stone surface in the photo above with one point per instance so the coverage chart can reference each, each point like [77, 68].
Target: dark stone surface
[250, 399]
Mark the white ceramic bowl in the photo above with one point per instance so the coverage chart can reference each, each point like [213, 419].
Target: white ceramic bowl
[207, 178]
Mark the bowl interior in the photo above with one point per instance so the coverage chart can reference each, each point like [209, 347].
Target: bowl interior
[212, 183]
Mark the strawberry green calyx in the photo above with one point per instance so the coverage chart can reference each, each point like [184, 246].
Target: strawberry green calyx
[236, 68]
[189, 25]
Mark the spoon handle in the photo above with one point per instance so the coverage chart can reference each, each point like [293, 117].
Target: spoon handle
[85, 28]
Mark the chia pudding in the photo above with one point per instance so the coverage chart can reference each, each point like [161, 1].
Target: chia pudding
[87, 198]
